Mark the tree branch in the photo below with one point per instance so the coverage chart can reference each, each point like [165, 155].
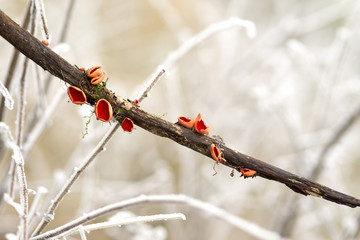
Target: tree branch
[59, 67]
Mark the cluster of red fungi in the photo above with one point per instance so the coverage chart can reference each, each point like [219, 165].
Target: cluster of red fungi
[199, 126]
[104, 112]
[103, 109]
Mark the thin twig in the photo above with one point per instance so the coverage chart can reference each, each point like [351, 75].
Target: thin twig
[82, 233]
[62, 38]
[9, 101]
[151, 85]
[67, 18]
[122, 222]
[48, 216]
[340, 131]
[194, 41]
[19, 127]
[24, 197]
[19, 165]
[234, 220]
[21, 106]
[40, 7]
[14, 60]
[34, 134]
[36, 202]
[288, 221]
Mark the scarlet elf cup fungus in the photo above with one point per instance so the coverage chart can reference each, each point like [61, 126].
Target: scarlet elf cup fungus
[200, 126]
[103, 110]
[215, 153]
[46, 43]
[247, 172]
[98, 79]
[94, 71]
[127, 125]
[186, 122]
[76, 95]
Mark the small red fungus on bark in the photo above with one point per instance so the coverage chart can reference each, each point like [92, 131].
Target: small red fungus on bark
[186, 122]
[76, 95]
[215, 153]
[127, 125]
[247, 172]
[98, 79]
[103, 110]
[136, 102]
[94, 71]
[200, 126]
[46, 43]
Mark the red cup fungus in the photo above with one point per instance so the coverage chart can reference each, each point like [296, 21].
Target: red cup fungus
[186, 122]
[98, 79]
[76, 95]
[46, 43]
[103, 110]
[200, 126]
[215, 153]
[127, 125]
[247, 172]
[94, 71]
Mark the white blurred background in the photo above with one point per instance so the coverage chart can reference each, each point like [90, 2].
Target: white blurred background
[278, 97]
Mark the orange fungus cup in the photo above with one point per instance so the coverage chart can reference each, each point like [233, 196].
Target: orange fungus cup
[215, 153]
[186, 122]
[103, 110]
[46, 43]
[247, 172]
[76, 95]
[127, 125]
[94, 71]
[200, 126]
[98, 79]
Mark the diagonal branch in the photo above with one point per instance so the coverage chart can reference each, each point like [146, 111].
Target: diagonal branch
[59, 67]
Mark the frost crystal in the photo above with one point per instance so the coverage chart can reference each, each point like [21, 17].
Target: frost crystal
[9, 101]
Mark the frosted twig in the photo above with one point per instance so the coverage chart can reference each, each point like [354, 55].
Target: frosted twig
[288, 221]
[9, 101]
[82, 233]
[41, 101]
[17, 158]
[40, 125]
[188, 45]
[236, 221]
[36, 202]
[11, 202]
[339, 133]
[171, 18]
[151, 84]
[21, 105]
[124, 221]
[24, 196]
[20, 124]
[67, 18]
[62, 38]
[76, 174]
[39, 4]
[14, 60]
